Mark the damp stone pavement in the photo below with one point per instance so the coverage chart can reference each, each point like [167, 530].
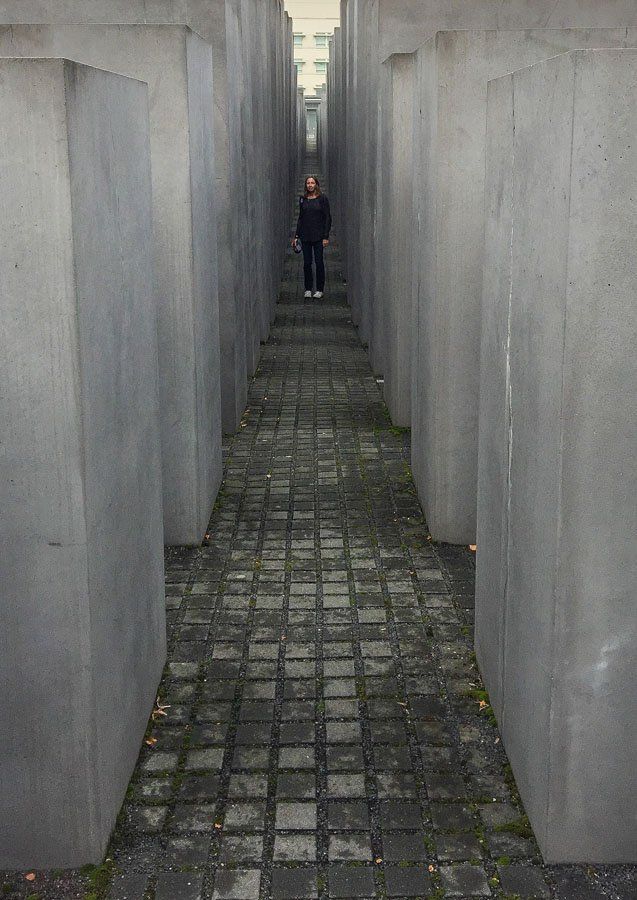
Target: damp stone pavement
[323, 733]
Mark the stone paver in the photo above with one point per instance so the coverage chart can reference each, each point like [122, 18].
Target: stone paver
[320, 737]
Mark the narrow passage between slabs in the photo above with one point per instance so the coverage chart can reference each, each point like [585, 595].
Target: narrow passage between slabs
[319, 736]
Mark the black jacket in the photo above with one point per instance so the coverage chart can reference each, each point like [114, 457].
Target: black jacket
[315, 220]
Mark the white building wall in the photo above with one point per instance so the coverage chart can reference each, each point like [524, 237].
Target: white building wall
[312, 18]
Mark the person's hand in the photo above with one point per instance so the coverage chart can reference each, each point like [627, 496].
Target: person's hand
[325, 242]
[293, 242]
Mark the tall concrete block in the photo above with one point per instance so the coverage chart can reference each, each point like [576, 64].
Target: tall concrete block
[371, 31]
[207, 18]
[362, 131]
[557, 575]
[454, 68]
[336, 123]
[176, 63]
[392, 310]
[81, 568]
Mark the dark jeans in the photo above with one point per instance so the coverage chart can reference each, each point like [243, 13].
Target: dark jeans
[316, 248]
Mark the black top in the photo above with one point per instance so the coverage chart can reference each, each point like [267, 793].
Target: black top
[315, 219]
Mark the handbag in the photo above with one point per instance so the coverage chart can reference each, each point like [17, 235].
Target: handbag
[297, 246]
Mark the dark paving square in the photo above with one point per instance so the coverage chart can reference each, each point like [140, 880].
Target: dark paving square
[396, 784]
[191, 850]
[241, 848]
[301, 785]
[294, 884]
[465, 880]
[400, 847]
[457, 847]
[347, 882]
[400, 814]
[351, 816]
[200, 787]
[452, 817]
[179, 886]
[407, 881]
[525, 881]
[344, 759]
[237, 884]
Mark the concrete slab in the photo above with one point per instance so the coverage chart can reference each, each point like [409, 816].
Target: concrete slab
[406, 24]
[560, 332]
[373, 30]
[177, 65]
[362, 135]
[80, 489]
[453, 70]
[393, 307]
[207, 18]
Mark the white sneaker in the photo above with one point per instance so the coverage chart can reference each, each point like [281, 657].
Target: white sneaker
[308, 295]
[318, 295]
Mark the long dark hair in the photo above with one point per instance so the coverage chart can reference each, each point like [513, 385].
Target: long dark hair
[318, 185]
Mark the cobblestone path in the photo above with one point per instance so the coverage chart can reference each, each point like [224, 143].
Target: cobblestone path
[320, 737]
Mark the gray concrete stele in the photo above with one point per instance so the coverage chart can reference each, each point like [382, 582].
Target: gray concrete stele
[233, 88]
[453, 70]
[82, 613]
[556, 567]
[177, 65]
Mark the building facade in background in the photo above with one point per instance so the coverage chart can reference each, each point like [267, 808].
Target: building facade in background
[314, 22]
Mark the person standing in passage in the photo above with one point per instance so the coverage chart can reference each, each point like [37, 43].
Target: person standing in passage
[313, 230]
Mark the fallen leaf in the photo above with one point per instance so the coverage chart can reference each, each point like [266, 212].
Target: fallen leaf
[30, 876]
[432, 868]
[160, 709]
[473, 547]
[378, 860]
[151, 741]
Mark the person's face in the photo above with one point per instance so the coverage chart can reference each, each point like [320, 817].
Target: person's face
[310, 185]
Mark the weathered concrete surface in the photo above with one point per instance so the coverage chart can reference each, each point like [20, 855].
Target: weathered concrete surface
[372, 30]
[176, 63]
[208, 18]
[336, 123]
[322, 130]
[302, 127]
[361, 141]
[81, 568]
[454, 68]
[406, 24]
[394, 235]
[494, 405]
[259, 61]
[402, 26]
[555, 622]
[244, 75]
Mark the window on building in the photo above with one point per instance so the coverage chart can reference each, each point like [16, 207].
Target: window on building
[298, 40]
[299, 63]
[320, 40]
[321, 66]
